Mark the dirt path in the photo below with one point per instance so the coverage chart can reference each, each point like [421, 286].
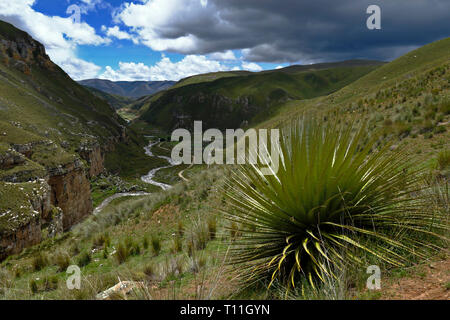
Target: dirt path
[429, 281]
[180, 174]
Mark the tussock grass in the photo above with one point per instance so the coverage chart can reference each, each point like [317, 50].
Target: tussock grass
[337, 197]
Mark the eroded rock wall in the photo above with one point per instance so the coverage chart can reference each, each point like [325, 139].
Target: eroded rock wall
[71, 191]
[22, 210]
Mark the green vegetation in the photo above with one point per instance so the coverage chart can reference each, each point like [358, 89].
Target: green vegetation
[178, 243]
[235, 101]
[336, 198]
[115, 101]
[16, 204]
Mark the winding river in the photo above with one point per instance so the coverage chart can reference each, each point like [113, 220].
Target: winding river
[148, 178]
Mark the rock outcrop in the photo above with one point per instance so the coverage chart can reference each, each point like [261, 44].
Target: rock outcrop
[21, 51]
[61, 142]
[23, 209]
[71, 191]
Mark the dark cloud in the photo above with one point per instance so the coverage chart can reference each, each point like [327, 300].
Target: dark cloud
[313, 31]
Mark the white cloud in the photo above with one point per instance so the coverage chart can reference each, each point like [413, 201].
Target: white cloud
[59, 35]
[165, 69]
[79, 69]
[223, 56]
[115, 32]
[250, 66]
[153, 21]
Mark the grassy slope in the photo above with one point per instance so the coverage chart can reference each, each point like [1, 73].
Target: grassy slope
[46, 105]
[116, 101]
[197, 202]
[46, 108]
[231, 101]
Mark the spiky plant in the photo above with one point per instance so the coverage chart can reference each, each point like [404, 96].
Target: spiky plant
[337, 196]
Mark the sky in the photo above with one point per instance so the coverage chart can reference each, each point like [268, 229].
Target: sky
[173, 39]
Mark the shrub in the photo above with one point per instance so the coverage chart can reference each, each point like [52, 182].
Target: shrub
[84, 259]
[180, 229]
[134, 249]
[427, 127]
[39, 262]
[149, 270]
[444, 108]
[145, 243]
[177, 244]
[101, 241]
[50, 283]
[439, 129]
[443, 159]
[33, 286]
[201, 236]
[62, 260]
[122, 253]
[156, 245]
[212, 228]
[334, 199]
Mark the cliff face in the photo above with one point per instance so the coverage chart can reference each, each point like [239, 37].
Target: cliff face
[24, 209]
[71, 191]
[51, 129]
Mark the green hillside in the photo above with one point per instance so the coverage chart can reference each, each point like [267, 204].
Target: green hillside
[177, 243]
[237, 100]
[115, 101]
[409, 95]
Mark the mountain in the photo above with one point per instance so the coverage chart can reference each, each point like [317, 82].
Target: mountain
[408, 95]
[238, 99]
[115, 101]
[190, 239]
[54, 137]
[130, 89]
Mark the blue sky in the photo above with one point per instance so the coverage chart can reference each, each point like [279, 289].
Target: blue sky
[173, 39]
[98, 51]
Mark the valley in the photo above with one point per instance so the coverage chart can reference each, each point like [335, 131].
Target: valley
[82, 185]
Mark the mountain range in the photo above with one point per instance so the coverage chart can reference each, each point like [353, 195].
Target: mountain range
[64, 149]
[129, 89]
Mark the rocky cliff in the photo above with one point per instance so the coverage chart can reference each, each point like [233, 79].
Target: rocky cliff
[53, 132]
[24, 209]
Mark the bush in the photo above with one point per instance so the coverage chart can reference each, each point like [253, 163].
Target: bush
[212, 228]
[122, 253]
[201, 236]
[62, 260]
[101, 241]
[156, 245]
[439, 129]
[84, 259]
[145, 243]
[50, 283]
[149, 270]
[33, 286]
[39, 262]
[180, 229]
[427, 127]
[336, 197]
[443, 159]
[444, 107]
[177, 244]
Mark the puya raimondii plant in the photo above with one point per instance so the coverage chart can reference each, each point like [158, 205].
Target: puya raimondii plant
[338, 196]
